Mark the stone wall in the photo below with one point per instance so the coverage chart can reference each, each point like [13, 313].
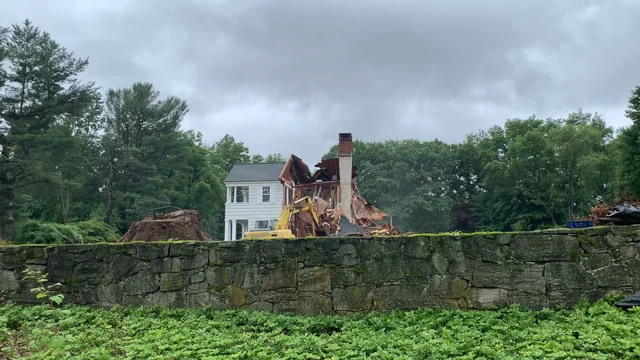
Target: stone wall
[339, 275]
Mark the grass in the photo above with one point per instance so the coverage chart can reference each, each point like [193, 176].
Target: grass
[591, 331]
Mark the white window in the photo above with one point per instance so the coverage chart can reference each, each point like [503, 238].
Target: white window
[240, 194]
[266, 194]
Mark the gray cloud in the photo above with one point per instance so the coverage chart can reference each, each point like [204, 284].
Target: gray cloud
[287, 76]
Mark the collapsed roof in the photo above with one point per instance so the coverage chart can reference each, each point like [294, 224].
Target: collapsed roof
[340, 207]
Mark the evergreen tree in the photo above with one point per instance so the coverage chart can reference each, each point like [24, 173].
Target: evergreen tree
[38, 86]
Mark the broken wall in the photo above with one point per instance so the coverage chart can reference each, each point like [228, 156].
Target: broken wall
[339, 275]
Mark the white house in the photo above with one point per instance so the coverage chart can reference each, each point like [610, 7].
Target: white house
[254, 198]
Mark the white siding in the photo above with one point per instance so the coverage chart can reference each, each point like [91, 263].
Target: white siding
[255, 209]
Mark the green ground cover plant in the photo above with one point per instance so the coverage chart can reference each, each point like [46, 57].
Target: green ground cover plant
[589, 331]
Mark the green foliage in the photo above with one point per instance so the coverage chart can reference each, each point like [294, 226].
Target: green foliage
[47, 292]
[95, 231]
[39, 91]
[530, 174]
[36, 232]
[85, 232]
[590, 331]
[42, 290]
[628, 147]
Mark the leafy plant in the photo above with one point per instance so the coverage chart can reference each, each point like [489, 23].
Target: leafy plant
[44, 291]
[588, 331]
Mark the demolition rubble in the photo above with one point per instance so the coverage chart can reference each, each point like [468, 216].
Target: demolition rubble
[334, 206]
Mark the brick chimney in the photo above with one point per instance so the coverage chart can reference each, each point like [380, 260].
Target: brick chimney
[345, 163]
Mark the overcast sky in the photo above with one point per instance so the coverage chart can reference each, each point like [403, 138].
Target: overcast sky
[288, 75]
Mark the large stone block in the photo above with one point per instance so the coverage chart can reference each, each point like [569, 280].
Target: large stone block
[595, 261]
[124, 265]
[165, 265]
[308, 304]
[353, 298]
[492, 251]
[479, 298]
[440, 263]
[562, 276]
[279, 277]
[197, 288]
[8, 281]
[448, 246]
[624, 252]
[374, 248]
[195, 261]
[346, 255]
[418, 247]
[316, 279]
[315, 257]
[393, 297]
[260, 306]
[197, 300]
[533, 300]
[417, 270]
[540, 248]
[281, 295]
[247, 276]
[462, 266]
[230, 252]
[61, 266]
[173, 281]
[11, 258]
[511, 276]
[36, 255]
[91, 273]
[141, 283]
[270, 252]
[345, 276]
[107, 295]
[186, 249]
[382, 270]
[447, 287]
[614, 276]
[151, 251]
[165, 299]
[294, 248]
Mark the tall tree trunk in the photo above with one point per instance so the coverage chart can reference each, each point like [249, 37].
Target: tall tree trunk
[7, 191]
[65, 204]
[109, 186]
[570, 195]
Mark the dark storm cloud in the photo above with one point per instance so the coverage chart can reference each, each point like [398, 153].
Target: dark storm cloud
[274, 73]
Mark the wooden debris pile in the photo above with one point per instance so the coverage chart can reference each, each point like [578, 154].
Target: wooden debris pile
[323, 187]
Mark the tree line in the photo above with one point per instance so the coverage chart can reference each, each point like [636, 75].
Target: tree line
[80, 165]
[528, 174]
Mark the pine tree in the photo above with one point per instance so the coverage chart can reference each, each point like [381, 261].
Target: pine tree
[38, 85]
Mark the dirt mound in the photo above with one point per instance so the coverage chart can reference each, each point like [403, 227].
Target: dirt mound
[179, 225]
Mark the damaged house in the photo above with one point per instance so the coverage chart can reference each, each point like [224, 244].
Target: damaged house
[324, 203]
[338, 207]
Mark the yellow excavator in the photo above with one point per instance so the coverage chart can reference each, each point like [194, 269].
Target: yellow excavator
[282, 229]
